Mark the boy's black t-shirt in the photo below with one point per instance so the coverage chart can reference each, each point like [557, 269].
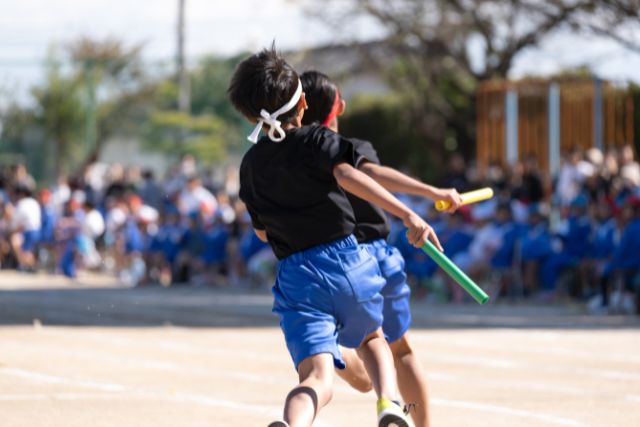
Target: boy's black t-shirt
[290, 190]
[371, 222]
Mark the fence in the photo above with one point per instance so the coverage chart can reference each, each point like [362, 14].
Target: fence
[544, 118]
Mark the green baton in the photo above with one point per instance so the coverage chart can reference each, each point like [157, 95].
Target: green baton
[455, 273]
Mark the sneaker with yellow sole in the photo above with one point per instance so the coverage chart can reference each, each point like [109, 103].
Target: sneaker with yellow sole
[390, 414]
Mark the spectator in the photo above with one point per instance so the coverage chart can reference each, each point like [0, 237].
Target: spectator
[535, 246]
[625, 262]
[26, 222]
[486, 240]
[531, 188]
[150, 191]
[22, 178]
[569, 179]
[5, 246]
[176, 230]
[92, 227]
[629, 168]
[164, 247]
[195, 197]
[456, 176]
[47, 232]
[60, 194]
[573, 244]
[605, 237]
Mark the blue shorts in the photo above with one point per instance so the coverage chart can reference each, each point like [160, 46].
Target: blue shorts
[396, 292]
[328, 295]
[30, 239]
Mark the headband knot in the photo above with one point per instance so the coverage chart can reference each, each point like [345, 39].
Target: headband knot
[271, 119]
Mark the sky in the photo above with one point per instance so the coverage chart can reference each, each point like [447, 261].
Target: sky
[29, 27]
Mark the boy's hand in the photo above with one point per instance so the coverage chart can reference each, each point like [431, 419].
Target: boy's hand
[450, 195]
[419, 232]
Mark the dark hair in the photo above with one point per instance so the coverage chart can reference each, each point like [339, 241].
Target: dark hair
[89, 203]
[263, 80]
[320, 93]
[504, 206]
[22, 190]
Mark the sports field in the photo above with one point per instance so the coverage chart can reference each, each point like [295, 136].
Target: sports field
[99, 355]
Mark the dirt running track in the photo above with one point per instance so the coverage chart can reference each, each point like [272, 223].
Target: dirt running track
[97, 355]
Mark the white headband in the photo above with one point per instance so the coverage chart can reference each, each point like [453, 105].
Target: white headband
[270, 119]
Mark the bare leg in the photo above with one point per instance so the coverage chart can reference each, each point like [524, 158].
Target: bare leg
[530, 278]
[411, 380]
[25, 258]
[314, 391]
[355, 374]
[378, 360]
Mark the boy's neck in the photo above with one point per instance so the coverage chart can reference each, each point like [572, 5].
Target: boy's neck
[296, 123]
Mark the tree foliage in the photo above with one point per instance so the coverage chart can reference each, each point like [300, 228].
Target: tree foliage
[435, 52]
[205, 136]
[211, 129]
[59, 114]
[382, 120]
[209, 82]
[95, 89]
[113, 70]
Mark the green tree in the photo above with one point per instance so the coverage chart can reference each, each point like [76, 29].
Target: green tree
[59, 113]
[113, 69]
[383, 121]
[205, 136]
[211, 129]
[21, 139]
[209, 82]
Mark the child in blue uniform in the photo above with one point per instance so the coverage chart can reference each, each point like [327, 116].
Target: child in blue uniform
[327, 290]
[165, 245]
[372, 230]
[625, 261]
[49, 217]
[604, 238]
[575, 244]
[535, 246]
[510, 232]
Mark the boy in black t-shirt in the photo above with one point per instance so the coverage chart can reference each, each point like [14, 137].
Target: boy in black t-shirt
[327, 287]
[372, 230]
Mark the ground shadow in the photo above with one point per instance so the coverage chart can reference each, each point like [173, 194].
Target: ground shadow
[151, 306]
[229, 307]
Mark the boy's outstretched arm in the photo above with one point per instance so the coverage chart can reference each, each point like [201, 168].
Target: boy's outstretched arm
[361, 185]
[396, 181]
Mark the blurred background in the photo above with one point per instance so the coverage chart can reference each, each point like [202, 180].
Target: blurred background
[119, 150]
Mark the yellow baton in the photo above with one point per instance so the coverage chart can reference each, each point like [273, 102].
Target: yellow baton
[467, 198]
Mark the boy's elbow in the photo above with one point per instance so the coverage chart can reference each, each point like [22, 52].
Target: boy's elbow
[373, 170]
[368, 167]
[343, 171]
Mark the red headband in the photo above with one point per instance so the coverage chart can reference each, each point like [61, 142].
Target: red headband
[334, 109]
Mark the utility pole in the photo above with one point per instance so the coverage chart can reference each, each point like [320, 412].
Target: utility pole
[91, 120]
[184, 89]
